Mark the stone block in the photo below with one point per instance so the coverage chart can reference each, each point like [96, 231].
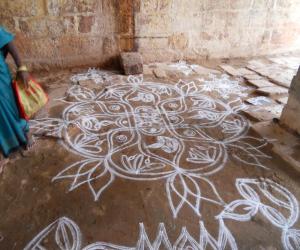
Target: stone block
[86, 23]
[86, 5]
[132, 63]
[53, 7]
[178, 41]
[60, 7]
[155, 25]
[43, 27]
[152, 43]
[8, 22]
[110, 45]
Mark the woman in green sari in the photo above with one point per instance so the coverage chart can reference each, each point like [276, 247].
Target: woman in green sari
[13, 129]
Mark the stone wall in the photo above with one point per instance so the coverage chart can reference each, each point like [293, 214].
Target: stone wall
[60, 33]
[173, 29]
[66, 33]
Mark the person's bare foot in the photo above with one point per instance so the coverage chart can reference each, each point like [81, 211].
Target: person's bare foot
[25, 151]
[30, 141]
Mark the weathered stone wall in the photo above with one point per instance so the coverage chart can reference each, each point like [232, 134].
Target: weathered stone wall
[174, 29]
[64, 33]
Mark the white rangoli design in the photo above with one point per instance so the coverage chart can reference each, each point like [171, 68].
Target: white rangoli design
[98, 76]
[184, 67]
[273, 201]
[145, 131]
[112, 129]
[260, 101]
[224, 86]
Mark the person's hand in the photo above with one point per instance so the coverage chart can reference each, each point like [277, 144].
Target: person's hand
[23, 76]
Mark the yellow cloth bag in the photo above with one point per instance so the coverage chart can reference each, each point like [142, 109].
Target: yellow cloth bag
[29, 100]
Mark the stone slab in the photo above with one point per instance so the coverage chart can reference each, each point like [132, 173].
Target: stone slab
[281, 81]
[204, 71]
[261, 83]
[264, 113]
[253, 77]
[132, 63]
[254, 64]
[287, 61]
[245, 71]
[274, 73]
[272, 90]
[275, 110]
[258, 115]
[230, 70]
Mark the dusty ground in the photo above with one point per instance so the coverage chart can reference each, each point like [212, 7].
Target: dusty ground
[121, 151]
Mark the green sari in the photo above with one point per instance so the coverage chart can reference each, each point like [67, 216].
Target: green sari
[12, 129]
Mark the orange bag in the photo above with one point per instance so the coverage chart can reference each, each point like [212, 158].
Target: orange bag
[29, 100]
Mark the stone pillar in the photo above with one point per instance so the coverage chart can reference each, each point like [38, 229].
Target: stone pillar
[291, 113]
[126, 18]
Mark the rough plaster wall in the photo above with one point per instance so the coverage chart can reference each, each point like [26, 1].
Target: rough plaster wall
[174, 29]
[64, 33]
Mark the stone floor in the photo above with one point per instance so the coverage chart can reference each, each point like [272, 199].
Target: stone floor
[185, 157]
